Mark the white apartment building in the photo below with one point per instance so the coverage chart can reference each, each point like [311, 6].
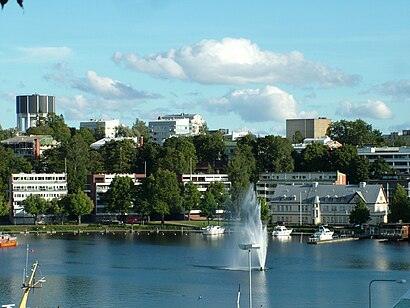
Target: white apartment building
[174, 125]
[204, 180]
[266, 185]
[99, 185]
[47, 185]
[398, 158]
[316, 203]
[108, 126]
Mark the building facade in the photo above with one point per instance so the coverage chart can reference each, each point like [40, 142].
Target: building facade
[175, 125]
[390, 182]
[204, 180]
[47, 185]
[266, 185]
[31, 108]
[99, 185]
[326, 204]
[107, 126]
[29, 146]
[398, 158]
[309, 128]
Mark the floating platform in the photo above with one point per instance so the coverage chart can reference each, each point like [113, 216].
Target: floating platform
[334, 240]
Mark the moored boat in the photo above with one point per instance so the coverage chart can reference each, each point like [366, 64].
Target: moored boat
[281, 231]
[322, 234]
[6, 240]
[213, 230]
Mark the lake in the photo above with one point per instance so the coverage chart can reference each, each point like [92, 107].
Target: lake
[192, 270]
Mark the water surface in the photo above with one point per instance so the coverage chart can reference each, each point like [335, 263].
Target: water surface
[175, 270]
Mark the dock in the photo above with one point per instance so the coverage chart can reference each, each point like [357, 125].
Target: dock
[334, 240]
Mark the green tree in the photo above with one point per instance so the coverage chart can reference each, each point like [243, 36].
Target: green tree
[273, 153]
[191, 197]
[119, 156]
[148, 157]
[264, 209]
[3, 2]
[240, 170]
[124, 131]
[315, 157]
[208, 206]
[210, 148]
[399, 208]
[35, 205]
[218, 190]
[7, 133]
[359, 170]
[179, 155]
[86, 134]
[57, 208]
[159, 194]
[120, 195]
[140, 129]
[52, 125]
[379, 166]
[4, 206]
[358, 133]
[78, 163]
[298, 137]
[360, 214]
[77, 204]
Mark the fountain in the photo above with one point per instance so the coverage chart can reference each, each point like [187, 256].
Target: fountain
[251, 227]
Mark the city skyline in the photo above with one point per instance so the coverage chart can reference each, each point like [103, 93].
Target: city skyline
[239, 65]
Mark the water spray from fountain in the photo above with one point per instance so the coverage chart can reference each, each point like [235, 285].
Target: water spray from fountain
[252, 229]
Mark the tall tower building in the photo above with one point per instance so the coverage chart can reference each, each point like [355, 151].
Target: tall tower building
[30, 108]
[309, 128]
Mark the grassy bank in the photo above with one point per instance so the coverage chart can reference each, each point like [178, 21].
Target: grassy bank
[187, 226]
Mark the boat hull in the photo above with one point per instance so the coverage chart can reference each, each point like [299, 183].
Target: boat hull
[8, 244]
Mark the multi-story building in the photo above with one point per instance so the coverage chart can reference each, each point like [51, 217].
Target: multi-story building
[309, 128]
[107, 126]
[332, 144]
[266, 185]
[99, 185]
[47, 185]
[390, 182]
[31, 108]
[316, 203]
[175, 125]
[204, 180]
[29, 146]
[398, 158]
[98, 144]
[395, 137]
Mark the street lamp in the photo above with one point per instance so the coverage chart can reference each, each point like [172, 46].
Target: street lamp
[377, 280]
[249, 247]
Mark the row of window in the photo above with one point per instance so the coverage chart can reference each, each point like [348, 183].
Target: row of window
[39, 188]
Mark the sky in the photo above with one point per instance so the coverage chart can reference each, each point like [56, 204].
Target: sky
[241, 65]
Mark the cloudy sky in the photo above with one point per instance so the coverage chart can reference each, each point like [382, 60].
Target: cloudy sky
[242, 65]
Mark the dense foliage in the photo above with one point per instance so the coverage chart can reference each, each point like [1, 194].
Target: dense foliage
[159, 193]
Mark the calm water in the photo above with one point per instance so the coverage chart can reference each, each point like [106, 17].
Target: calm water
[175, 270]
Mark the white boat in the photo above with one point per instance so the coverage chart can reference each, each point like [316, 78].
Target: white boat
[322, 234]
[281, 231]
[213, 230]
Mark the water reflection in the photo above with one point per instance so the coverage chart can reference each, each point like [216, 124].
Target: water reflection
[173, 270]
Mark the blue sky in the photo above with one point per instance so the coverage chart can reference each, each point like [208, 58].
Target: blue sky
[240, 64]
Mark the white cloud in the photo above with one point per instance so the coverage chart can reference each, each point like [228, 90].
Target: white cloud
[101, 86]
[235, 61]
[42, 54]
[398, 89]
[256, 105]
[371, 109]
[108, 88]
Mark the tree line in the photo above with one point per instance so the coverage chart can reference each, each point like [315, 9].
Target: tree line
[159, 193]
